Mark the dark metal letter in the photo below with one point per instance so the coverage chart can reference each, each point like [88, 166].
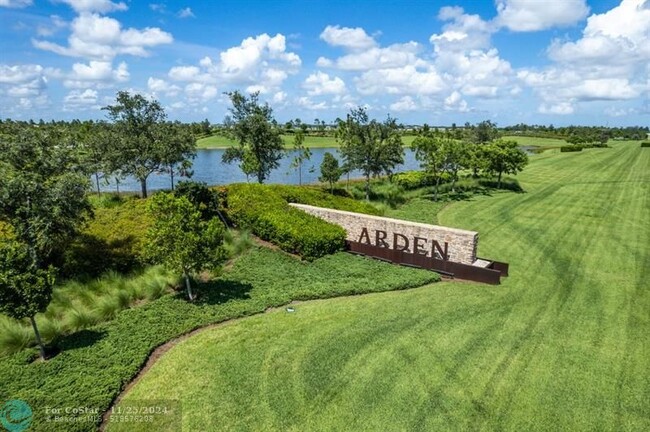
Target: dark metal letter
[364, 234]
[418, 246]
[380, 236]
[444, 254]
[395, 244]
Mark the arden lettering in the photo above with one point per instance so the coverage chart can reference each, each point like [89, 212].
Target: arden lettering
[402, 243]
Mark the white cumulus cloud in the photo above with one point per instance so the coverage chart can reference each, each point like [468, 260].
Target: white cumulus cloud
[534, 15]
[99, 37]
[320, 83]
[352, 38]
[101, 6]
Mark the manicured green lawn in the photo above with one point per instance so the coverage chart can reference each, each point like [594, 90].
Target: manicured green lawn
[537, 142]
[562, 344]
[218, 141]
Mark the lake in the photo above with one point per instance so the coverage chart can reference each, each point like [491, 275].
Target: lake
[208, 168]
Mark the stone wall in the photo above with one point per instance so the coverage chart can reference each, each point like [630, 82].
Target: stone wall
[461, 244]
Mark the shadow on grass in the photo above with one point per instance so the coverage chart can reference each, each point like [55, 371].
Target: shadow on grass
[77, 340]
[221, 291]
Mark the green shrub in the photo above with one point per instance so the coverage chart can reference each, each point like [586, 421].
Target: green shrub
[645, 144]
[262, 210]
[206, 200]
[112, 240]
[571, 148]
[410, 180]
[318, 197]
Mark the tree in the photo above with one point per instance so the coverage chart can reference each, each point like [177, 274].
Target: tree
[177, 149]
[253, 127]
[42, 191]
[329, 170]
[302, 152]
[136, 124]
[369, 146]
[94, 144]
[25, 290]
[504, 157]
[429, 150]
[181, 240]
[455, 154]
[484, 132]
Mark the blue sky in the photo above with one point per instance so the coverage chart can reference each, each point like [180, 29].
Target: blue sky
[511, 61]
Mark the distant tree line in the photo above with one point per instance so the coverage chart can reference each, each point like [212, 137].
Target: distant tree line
[578, 134]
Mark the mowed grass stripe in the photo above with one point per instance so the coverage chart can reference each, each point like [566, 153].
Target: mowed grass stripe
[569, 231]
[562, 344]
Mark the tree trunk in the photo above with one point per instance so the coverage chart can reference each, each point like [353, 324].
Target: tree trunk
[332, 188]
[453, 183]
[39, 341]
[347, 185]
[435, 191]
[367, 187]
[99, 192]
[300, 174]
[499, 181]
[171, 174]
[143, 187]
[117, 182]
[188, 286]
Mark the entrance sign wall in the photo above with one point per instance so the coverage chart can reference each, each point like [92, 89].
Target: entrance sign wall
[447, 250]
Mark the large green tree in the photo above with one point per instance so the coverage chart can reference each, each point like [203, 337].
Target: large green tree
[181, 240]
[252, 125]
[25, 289]
[504, 157]
[42, 190]
[137, 137]
[368, 145]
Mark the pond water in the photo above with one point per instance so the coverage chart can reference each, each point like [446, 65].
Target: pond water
[208, 168]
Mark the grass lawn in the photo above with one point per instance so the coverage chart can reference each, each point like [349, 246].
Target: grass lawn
[562, 344]
[544, 143]
[218, 141]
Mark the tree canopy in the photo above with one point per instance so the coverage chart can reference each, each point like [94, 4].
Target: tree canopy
[504, 157]
[42, 190]
[144, 142]
[330, 170]
[368, 145]
[252, 125]
[181, 240]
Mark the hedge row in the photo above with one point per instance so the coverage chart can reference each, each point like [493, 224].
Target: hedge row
[645, 144]
[580, 147]
[261, 209]
[572, 148]
[318, 197]
[410, 180]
